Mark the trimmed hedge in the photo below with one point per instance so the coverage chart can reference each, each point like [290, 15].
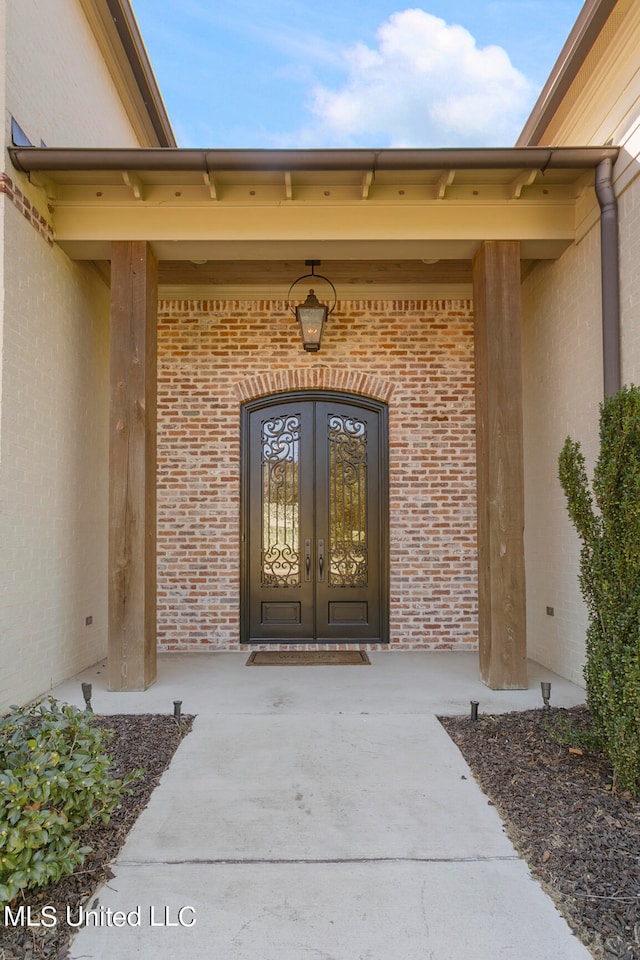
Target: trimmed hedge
[608, 523]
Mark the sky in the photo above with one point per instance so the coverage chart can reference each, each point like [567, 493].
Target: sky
[351, 73]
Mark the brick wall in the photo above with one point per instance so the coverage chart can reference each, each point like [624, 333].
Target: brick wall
[24, 206]
[54, 464]
[629, 212]
[415, 355]
[562, 387]
[57, 83]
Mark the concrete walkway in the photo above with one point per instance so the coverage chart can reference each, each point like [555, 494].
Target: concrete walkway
[321, 813]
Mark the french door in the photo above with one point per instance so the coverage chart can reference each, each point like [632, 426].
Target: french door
[314, 538]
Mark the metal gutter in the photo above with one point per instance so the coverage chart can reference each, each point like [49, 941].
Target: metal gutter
[610, 277]
[51, 159]
[580, 41]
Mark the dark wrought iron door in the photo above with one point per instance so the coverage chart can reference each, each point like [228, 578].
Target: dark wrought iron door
[314, 537]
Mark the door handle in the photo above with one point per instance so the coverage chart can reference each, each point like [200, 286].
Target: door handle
[307, 560]
[320, 559]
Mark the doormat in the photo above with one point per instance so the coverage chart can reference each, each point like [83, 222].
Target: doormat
[306, 658]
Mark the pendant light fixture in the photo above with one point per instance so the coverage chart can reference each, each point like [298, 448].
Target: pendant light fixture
[312, 314]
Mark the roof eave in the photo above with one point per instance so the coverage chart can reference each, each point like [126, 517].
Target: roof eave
[51, 159]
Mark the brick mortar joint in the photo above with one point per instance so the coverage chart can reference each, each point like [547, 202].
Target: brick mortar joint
[28, 210]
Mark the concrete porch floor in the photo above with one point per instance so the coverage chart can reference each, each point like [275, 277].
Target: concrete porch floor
[322, 812]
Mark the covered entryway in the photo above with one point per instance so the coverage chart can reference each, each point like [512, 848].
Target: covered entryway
[315, 520]
[412, 226]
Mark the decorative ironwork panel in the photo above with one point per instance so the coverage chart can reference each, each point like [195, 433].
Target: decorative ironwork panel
[280, 442]
[347, 555]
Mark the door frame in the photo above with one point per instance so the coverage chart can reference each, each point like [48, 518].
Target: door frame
[338, 396]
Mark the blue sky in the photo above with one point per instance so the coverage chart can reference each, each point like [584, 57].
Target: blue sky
[340, 73]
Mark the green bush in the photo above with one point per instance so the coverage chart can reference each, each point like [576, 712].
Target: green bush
[54, 780]
[608, 522]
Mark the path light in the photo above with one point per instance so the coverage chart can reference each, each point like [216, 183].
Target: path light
[177, 707]
[312, 315]
[86, 693]
[474, 709]
[545, 687]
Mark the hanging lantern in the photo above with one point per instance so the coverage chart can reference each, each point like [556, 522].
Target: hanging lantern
[312, 315]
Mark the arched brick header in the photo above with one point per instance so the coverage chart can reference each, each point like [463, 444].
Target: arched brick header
[314, 378]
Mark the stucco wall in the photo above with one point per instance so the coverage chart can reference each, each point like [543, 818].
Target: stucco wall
[562, 389]
[417, 354]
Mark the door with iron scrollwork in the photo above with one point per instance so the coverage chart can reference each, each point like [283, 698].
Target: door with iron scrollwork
[314, 538]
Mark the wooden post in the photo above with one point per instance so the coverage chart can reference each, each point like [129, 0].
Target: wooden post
[132, 467]
[500, 472]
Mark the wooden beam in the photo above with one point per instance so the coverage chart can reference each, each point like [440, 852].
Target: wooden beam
[344, 272]
[132, 467]
[499, 450]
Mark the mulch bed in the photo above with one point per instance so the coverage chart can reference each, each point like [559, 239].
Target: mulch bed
[580, 839]
[147, 742]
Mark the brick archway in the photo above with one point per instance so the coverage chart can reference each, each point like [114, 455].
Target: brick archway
[314, 378]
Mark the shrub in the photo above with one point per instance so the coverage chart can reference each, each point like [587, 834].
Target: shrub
[608, 523]
[54, 781]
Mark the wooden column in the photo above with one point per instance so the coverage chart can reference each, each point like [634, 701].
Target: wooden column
[132, 467]
[499, 449]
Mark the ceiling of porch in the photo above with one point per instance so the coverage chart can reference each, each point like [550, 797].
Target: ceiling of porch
[382, 223]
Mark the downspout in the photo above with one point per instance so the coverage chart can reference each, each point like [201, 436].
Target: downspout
[610, 276]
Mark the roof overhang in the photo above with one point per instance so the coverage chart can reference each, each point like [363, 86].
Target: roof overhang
[205, 208]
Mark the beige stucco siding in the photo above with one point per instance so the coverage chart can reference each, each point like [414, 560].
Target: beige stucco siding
[58, 86]
[562, 361]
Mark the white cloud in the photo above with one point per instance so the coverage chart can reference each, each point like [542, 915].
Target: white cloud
[425, 84]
